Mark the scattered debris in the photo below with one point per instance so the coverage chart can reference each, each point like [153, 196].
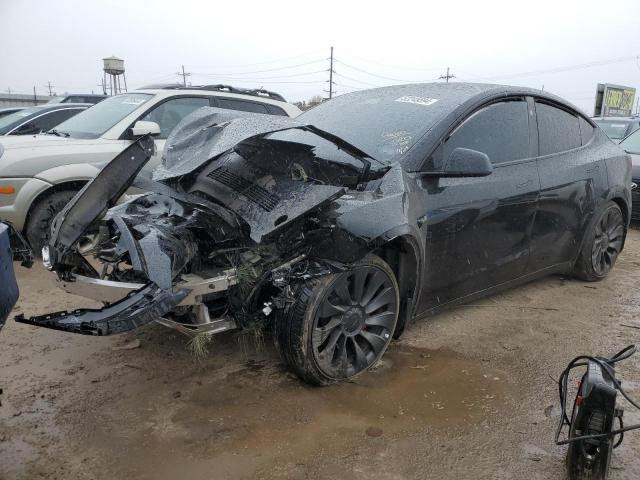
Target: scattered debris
[199, 346]
[374, 432]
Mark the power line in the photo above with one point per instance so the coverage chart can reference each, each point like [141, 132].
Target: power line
[266, 62]
[222, 75]
[565, 68]
[277, 69]
[357, 81]
[376, 75]
[391, 66]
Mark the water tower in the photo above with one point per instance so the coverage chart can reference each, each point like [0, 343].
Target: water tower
[113, 68]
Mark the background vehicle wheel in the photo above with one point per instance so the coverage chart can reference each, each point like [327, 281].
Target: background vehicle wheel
[41, 216]
[340, 324]
[602, 244]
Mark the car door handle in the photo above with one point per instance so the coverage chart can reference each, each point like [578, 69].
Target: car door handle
[524, 184]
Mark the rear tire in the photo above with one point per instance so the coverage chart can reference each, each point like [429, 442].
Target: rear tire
[38, 229]
[602, 245]
[341, 324]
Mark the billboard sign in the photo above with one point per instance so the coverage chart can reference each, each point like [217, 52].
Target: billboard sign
[614, 100]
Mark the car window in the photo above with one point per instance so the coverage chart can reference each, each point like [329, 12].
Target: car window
[53, 119]
[169, 113]
[586, 131]
[273, 110]
[233, 104]
[631, 144]
[615, 129]
[501, 130]
[558, 129]
[95, 121]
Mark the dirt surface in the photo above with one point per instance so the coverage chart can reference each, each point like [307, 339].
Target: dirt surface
[469, 393]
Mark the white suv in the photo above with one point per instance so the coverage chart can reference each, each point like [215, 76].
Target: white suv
[39, 174]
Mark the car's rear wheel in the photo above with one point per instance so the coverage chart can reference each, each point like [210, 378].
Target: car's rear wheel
[38, 229]
[602, 245]
[341, 324]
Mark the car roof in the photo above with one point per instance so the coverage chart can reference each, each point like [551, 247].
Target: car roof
[454, 94]
[172, 92]
[58, 106]
[448, 103]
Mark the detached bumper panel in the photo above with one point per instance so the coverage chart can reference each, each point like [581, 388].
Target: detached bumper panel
[137, 309]
[8, 286]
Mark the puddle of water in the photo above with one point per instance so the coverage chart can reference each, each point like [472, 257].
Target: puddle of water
[411, 390]
[261, 416]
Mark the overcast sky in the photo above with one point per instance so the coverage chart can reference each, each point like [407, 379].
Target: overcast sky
[284, 45]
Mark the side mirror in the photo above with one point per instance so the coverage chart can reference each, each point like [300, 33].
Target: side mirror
[464, 162]
[142, 127]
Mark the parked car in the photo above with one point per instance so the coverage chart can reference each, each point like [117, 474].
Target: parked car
[38, 119]
[9, 110]
[338, 228]
[39, 175]
[617, 128]
[631, 145]
[79, 98]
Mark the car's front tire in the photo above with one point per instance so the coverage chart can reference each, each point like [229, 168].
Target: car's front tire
[602, 244]
[38, 229]
[340, 324]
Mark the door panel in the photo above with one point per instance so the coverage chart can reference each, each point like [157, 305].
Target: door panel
[570, 184]
[477, 230]
[571, 181]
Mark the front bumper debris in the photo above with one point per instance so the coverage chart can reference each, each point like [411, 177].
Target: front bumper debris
[133, 311]
[111, 291]
[8, 286]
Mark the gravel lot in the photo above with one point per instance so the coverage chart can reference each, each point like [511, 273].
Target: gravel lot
[469, 393]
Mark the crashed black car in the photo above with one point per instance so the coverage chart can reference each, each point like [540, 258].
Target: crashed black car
[338, 228]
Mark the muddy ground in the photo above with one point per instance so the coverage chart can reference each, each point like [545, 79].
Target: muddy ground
[467, 394]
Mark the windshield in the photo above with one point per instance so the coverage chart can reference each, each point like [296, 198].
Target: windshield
[615, 129]
[383, 122]
[95, 121]
[631, 144]
[12, 120]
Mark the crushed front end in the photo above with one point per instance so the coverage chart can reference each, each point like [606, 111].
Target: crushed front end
[214, 247]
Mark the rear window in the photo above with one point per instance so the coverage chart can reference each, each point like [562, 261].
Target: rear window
[558, 129]
[233, 104]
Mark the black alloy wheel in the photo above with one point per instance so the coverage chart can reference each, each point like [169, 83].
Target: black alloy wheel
[340, 324]
[607, 244]
[602, 244]
[354, 322]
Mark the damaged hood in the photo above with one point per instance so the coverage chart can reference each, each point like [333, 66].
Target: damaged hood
[209, 132]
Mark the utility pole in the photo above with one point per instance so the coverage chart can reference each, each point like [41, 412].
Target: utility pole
[9, 90]
[49, 86]
[331, 75]
[184, 76]
[35, 97]
[447, 76]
